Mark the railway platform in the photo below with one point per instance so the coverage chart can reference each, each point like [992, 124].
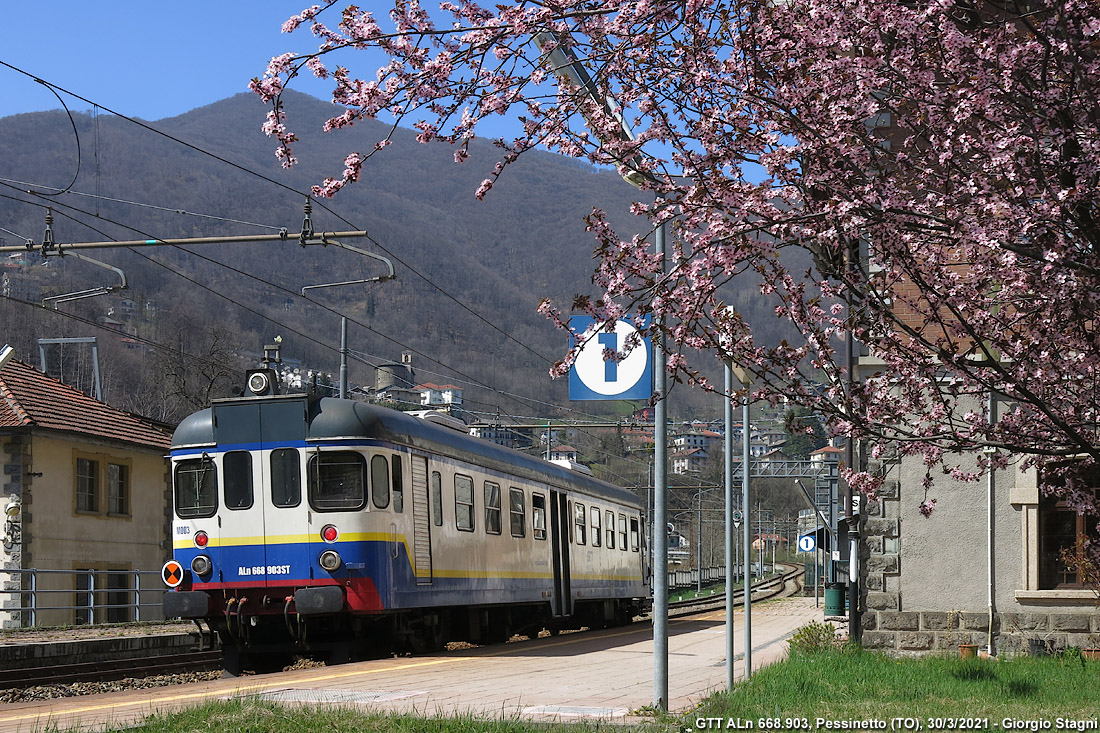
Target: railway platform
[24, 649]
[597, 675]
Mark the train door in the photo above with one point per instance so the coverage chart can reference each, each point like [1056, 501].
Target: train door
[422, 539]
[288, 532]
[238, 555]
[559, 539]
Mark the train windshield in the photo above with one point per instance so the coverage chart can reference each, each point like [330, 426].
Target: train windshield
[196, 488]
[338, 481]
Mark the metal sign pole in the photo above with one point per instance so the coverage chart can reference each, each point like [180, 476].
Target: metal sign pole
[731, 558]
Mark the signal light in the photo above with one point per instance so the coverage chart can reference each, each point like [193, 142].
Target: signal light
[201, 539]
[329, 533]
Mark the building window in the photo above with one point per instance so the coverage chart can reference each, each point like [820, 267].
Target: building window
[1062, 532]
[118, 489]
[84, 583]
[87, 485]
[492, 508]
[119, 597]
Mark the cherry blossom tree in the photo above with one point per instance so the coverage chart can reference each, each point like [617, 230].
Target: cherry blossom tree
[939, 160]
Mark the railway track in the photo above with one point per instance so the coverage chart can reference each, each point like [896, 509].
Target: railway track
[204, 661]
[763, 590]
[115, 669]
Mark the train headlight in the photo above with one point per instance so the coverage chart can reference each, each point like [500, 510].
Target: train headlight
[330, 560]
[201, 539]
[201, 565]
[330, 533]
[258, 383]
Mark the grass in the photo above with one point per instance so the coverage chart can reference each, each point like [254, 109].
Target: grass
[834, 684]
[249, 715]
[853, 684]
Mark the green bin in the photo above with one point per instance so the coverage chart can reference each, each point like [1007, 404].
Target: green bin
[836, 599]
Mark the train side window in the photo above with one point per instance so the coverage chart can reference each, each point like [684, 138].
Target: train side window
[596, 526]
[517, 513]
[337, 481]
[237, 479]
[610, 517]
[398, 486]
[633, 534]
[579, 521]
[196, 488]
[492, 508]
[538, 516]
[464, 502]
[379, 481]
[622, 531]
[437, 498]
[286, 477]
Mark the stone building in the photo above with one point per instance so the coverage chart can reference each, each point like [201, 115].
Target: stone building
[87, 495]
[983, 568]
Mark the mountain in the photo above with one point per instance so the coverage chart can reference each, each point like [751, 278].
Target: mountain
[526, 241]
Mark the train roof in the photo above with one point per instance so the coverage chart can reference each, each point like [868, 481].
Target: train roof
[328, 419]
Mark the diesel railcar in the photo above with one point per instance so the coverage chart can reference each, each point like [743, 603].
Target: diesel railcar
[336, 528]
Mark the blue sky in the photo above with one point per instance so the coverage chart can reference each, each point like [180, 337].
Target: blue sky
[144, 58]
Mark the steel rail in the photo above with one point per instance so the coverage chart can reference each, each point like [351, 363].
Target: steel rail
[760, 591]
[114, 669]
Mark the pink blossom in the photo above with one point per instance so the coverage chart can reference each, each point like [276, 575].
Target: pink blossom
[959, 160]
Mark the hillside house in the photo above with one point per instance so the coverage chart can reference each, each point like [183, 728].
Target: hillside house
[89, 489]
[563, 453]
[689, 462]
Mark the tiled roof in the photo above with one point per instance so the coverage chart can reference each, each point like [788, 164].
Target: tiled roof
[29, 398]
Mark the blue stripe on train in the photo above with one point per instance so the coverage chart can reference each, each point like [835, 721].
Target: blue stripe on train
[296, 564]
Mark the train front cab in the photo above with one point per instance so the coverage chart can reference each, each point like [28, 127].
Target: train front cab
[257, 554]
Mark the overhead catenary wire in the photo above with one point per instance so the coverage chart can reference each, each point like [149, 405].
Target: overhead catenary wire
[149, 239]
[280, 184]
[14, 234]
[287, 187]
[139, 204]
[465, 377]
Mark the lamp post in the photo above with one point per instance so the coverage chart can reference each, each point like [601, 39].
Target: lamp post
[568, 68]
[746, 469]
[730, 560]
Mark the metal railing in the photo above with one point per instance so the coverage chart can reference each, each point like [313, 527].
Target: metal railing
[98, 596]
[679, 579]
[37, 597]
